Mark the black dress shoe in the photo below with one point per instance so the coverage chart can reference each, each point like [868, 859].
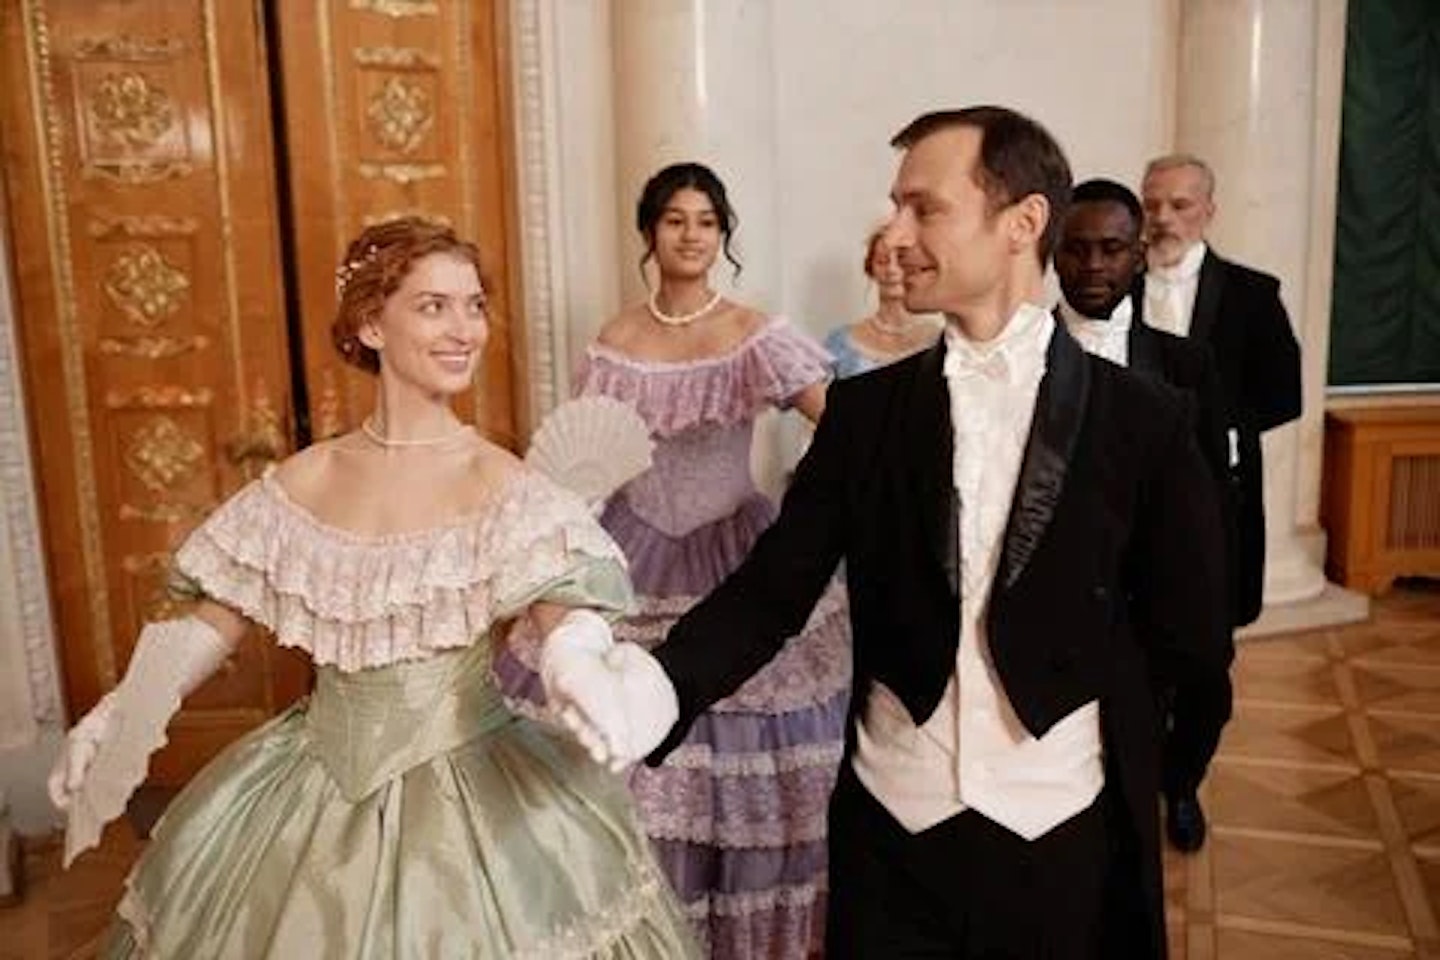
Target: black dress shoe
[1185, 823]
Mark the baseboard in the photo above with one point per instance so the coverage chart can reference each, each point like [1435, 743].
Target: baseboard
[1333, 607]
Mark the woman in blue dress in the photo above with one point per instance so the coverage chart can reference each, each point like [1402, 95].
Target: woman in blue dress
[890, 333]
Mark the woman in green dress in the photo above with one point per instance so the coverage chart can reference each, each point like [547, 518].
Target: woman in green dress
[401, 810]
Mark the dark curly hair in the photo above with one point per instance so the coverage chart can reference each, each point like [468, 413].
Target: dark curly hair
[664, 185]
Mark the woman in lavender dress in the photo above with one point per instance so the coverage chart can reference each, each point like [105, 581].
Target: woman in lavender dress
[737, 814]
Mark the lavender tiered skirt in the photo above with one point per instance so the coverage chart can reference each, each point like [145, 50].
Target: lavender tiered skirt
[737, 812]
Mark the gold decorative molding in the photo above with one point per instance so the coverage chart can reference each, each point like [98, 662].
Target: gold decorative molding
[51, 132]
[402, 173]
[128, 49]
[138, 171]
[220, 131]
[145, 286]
[161, 454]
[129, 111]
[152, 348]
[395, 9]
[159, 603]
[400, 115]
[463, 34]
[263, 441]
[166, 397]
[149, 225]
[371, 219]
[336, 105]
[396, 58]
[137, 564]
[168, 513]
[329, 414]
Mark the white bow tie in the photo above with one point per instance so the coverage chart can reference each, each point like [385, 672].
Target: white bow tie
[962, 364]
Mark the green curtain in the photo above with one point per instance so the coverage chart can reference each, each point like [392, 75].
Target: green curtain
[1385, 325]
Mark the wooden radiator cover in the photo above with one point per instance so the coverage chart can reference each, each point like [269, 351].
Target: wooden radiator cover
[1380, 499]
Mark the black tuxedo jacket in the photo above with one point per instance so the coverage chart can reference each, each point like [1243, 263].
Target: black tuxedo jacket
[1239, 316]
[1110, 568]
[1189, 366]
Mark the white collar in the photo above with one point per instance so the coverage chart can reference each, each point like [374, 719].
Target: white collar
[1188, 268]
[1019, 347]
[1118, 321]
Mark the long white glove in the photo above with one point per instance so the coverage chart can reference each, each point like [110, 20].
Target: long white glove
[613, 697]
[107, 753]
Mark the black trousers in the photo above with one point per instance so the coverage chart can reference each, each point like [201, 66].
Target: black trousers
[1194, 719]
[963, 888]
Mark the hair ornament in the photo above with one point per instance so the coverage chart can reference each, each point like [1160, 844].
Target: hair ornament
[347, 270]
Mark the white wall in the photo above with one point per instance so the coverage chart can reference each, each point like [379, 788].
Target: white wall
[794, 102]
[850, 73]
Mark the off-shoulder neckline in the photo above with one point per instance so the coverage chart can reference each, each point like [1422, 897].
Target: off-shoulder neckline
[745, 343]
[277, 492]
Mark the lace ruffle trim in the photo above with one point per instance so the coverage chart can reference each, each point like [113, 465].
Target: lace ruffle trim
[812, 668]
[595, 933]
[770, 367]
[359, 602]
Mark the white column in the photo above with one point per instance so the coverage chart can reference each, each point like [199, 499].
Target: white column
[695, 80]
[606, 93]
[1258, 97]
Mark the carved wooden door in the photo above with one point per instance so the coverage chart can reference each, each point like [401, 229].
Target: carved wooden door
[393, 107]
[157, 214]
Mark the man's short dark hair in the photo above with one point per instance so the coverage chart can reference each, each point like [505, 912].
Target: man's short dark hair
[1018, 157]
[1100, 190]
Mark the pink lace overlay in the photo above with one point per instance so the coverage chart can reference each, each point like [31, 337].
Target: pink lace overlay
[767, 369]
[812, 668]
[737, 812]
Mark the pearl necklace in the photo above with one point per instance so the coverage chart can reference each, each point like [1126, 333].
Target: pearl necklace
[367, 427]
[887, 328]
[673, 321]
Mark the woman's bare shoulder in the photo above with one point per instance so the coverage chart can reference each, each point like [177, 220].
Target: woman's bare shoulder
[622, 331]
[745, 321]
[307, 471]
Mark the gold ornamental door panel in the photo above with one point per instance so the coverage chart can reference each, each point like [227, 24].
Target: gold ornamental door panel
[141, 180]
[396, 107]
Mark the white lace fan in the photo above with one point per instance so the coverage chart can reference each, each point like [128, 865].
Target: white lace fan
[591, 446]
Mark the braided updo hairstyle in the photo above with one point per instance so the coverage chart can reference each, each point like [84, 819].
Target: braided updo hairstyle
[375, 264]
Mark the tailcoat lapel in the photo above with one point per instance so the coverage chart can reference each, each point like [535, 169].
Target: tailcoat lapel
[1143, 350]
[1054, 431]
[1208, 289]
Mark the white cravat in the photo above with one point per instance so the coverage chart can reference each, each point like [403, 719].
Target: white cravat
[1109, 339]
[1170, 292]
[973, 751]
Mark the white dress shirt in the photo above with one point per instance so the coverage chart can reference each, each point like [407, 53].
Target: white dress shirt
[973, 752]
[1170, 292]
[1109, 339]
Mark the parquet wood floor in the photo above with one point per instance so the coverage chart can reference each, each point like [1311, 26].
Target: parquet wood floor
[1324, 804]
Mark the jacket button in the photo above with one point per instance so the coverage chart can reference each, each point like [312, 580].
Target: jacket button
[1101, 593]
